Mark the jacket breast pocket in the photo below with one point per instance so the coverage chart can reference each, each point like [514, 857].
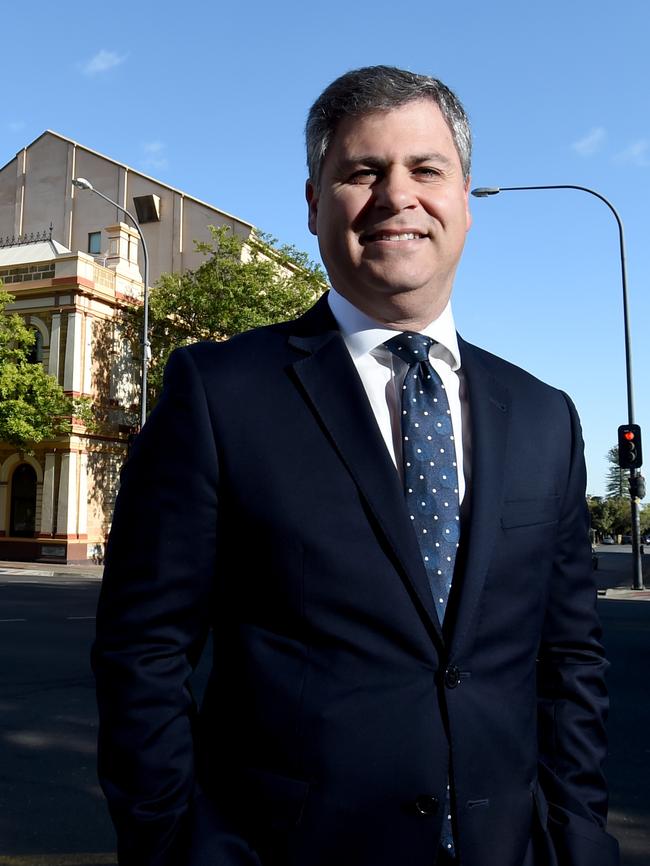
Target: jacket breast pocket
[529, 512]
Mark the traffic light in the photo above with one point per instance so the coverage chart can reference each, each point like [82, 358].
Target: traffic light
[630, 455]
[637, 487]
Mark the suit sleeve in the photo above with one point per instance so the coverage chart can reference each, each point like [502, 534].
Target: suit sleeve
[153, 621]
[572, 695]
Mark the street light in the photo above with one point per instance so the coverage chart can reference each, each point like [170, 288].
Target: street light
[82, 183]
[484, 192]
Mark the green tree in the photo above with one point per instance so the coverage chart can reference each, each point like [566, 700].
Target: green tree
[610, 516]
[600, 514]
[644, 519]
[240, 285]
[33, 406]
[617, 480]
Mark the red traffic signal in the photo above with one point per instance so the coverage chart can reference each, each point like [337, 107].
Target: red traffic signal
[630, 455]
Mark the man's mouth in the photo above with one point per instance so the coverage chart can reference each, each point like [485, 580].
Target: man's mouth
[391, 236]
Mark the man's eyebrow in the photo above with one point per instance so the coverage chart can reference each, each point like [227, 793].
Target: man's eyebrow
[374, 161]
[433, 156]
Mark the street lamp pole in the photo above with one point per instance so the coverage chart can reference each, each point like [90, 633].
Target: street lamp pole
[484, 192]
[82, 183]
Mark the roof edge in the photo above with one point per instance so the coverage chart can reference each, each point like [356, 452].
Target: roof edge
[128, 168]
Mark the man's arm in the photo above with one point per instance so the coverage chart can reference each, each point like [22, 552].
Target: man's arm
[572, 696]
[153, 619]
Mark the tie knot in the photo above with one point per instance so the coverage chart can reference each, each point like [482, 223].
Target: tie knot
[410, 347]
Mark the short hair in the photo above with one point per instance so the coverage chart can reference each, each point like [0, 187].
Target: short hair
[380, 88]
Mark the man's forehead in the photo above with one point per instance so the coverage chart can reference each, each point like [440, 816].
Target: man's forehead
[370, 138]
[427, 106]
[372, 123]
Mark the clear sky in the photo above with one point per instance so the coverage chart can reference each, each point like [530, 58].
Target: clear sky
[211, 98]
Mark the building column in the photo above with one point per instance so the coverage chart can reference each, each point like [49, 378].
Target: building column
[4, 506]
[55, 346]
[66, 518]
[82, 520]
[47, 507]
[88, 356]
[73, 354]
[19, 201]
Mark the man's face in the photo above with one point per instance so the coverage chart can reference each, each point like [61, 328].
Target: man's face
[391, 211]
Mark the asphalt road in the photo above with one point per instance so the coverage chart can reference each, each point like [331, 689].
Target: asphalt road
[50, 801]
[52, 811]
[626, 627]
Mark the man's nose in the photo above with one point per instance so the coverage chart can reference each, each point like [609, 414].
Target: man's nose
[395, 190]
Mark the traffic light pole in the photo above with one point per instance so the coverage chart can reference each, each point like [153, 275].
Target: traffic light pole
[630, 456]
[637, 569]
[636, 533]
[483, 192]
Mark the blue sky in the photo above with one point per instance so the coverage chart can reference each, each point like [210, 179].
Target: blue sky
[211, 98]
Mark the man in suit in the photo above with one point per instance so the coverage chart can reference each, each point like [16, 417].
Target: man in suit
[385, 528]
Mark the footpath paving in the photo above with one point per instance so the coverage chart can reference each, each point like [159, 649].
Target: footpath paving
[613, 574]
[82, 570]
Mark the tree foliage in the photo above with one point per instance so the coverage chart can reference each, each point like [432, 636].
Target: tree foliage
[33, 406]
[240, 285]
[644, 519]
[617, 480]
[610, 516]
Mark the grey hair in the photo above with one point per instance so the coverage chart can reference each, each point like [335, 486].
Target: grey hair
[380, 88]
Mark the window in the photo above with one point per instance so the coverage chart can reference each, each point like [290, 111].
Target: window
[94, 243]
[23, 502]
[36, 352]
[147, 208]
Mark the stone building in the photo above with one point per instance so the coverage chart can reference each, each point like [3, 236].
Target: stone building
[73, 266]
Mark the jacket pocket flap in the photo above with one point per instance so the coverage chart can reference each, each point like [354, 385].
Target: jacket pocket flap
[528, 512]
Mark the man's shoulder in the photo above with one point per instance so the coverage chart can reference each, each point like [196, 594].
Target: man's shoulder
[260, 348]
[509, 374]
[245, 344]
[527, 396]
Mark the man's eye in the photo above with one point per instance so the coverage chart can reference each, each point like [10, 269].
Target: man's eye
[364, 175]
[427, 171]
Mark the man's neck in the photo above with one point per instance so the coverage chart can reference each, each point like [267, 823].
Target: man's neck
[401, 312]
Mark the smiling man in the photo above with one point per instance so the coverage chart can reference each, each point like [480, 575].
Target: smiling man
[390, 210]
[385, 528]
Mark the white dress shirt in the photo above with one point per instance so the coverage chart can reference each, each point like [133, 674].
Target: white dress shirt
[382, 374]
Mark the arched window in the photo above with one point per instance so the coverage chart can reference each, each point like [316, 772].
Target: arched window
[36, 352]
[23, 502]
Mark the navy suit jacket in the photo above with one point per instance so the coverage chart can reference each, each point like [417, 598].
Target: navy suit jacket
[260, 502]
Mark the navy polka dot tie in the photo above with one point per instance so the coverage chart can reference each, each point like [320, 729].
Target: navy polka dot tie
[430, 481]
[429, 457]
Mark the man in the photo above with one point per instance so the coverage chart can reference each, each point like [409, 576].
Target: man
[385, 528]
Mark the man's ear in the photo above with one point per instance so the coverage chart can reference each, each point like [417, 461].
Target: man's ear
[312, 206]
[468, 213]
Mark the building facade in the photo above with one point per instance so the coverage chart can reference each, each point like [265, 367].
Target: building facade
[36, 191]
[74, 267]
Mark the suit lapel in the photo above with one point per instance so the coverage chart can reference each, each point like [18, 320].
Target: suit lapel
[331, 384]
[489, 404]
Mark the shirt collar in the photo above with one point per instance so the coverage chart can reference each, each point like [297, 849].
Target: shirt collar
[363, 334]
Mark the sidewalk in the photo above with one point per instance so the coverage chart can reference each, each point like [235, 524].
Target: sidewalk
[52, 569]
[613, 575]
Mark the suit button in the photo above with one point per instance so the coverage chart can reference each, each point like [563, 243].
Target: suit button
[426, 805]
[452, 677]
